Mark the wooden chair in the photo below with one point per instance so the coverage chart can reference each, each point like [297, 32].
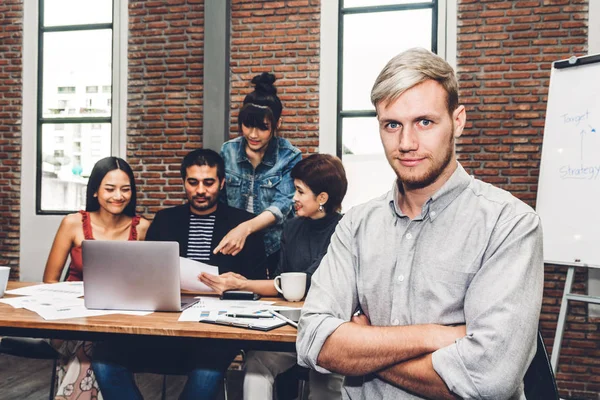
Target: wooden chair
[539, 379]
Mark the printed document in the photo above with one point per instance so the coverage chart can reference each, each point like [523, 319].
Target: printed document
[189, 271]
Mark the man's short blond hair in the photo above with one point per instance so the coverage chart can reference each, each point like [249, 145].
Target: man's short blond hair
[410, 68]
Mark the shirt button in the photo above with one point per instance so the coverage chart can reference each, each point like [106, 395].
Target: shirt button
[400, 278]
[409, 235]
[432, 213]
[395, 322]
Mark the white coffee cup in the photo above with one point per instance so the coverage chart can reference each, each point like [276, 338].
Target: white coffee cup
[293, 285]
[4, 274]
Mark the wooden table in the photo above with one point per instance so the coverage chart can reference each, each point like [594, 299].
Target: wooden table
[158, 326]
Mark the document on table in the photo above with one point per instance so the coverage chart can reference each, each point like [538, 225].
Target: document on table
[61, 289]
[189, 271]
[71, 308]
[22, 301]
[211, 307]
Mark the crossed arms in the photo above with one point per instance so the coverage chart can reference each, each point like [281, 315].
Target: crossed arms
[398, 355]
[501, 310]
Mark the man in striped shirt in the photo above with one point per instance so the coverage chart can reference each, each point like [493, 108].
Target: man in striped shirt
[200, 224]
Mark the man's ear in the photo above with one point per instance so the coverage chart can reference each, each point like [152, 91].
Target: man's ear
[459, 119]
[222, 184]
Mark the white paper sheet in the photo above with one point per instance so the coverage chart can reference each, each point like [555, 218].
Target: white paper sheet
[61, 289]
[212, 307]
[71, 308]
[189, 271]
[22, 301]
[196, 312]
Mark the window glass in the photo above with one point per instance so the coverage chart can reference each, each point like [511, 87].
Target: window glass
[68, 156]
[364, 161]
[373, 3]
[361, 136]
[75, 98]
[371, 37]
[77, 12]
[76, 63]
[370, 40]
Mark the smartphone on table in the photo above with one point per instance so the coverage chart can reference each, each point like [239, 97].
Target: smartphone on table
[239, 295]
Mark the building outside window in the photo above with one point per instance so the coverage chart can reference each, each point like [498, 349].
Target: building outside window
[76, 59]
[66, 89]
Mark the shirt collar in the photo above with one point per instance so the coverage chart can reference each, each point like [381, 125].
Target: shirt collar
[270, 157]
[441, 199]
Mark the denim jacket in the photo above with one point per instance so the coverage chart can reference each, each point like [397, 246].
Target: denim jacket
[270, 183]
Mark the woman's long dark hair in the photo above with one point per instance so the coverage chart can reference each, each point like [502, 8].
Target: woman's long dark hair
[260, 104]
[101, 168]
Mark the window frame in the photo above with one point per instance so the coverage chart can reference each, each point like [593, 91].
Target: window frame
[117, 117]
[341, 114]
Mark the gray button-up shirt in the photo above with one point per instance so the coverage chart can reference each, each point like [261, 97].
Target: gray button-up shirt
[473, 256]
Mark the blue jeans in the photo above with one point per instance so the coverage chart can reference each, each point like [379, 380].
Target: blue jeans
[115, 363]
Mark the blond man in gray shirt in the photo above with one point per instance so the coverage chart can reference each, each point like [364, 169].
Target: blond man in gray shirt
[446, 270]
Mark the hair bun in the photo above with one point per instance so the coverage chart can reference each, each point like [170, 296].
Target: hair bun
[263, 83]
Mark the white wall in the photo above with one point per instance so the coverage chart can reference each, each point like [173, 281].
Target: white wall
[328, 77]
[36, 233]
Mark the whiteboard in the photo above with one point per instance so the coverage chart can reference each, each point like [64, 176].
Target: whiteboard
[568, 199]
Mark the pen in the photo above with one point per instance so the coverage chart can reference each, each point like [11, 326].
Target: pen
[238, 315]
[289, 321]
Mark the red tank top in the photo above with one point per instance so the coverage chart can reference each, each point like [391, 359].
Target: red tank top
[76, 267]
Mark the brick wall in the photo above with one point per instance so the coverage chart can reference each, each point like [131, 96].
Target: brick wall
[165, 57]
[11, 88]
[505, 50]
[281, 37]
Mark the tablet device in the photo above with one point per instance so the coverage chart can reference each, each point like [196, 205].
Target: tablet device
[259, 324]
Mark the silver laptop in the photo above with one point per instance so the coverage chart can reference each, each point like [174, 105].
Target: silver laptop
[132, 275]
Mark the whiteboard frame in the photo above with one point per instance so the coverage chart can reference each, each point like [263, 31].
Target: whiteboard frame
[561, 65]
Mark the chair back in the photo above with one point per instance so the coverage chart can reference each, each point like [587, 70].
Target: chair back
[539, 379]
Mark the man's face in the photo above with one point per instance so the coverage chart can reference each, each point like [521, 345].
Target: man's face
[418, 134]
[202, 187]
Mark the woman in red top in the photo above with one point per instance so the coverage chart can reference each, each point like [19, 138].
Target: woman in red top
[109, 215]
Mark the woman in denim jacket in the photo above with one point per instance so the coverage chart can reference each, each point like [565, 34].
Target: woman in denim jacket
[257, 169]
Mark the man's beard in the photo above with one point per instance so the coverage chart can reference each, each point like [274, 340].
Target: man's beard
[410, 181]
[207, 206]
